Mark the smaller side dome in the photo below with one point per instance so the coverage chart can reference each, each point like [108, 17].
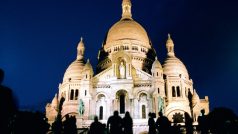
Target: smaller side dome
[173, 66]
[156, 64]
[74, 71]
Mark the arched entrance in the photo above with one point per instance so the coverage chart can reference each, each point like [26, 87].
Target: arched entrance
[101, 106]
[122, 98]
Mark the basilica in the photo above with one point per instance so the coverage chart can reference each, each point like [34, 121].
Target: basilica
[128, 77]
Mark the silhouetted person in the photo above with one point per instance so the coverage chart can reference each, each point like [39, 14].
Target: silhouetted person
[115, 123]
[127, 124]
[202, 122]
[7, 106]
[151, 123]
[163, 124]
[176, 129]
[188, 123]
[104, 127]
[70, 125]
[96, 127]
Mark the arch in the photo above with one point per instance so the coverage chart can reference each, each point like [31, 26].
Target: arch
[100, 96]
[119, 56]
[143, 96]
[101, 105]
[140, 92]
[173, 92]
[171, 111]
[122, 97]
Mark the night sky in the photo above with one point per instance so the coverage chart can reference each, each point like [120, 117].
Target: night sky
[38, 41]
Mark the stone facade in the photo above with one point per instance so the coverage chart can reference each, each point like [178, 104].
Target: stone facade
[128, 77]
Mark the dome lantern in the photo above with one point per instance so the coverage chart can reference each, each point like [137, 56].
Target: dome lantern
[172, 65]
[80, 49]
[126, 9]
[170, 46]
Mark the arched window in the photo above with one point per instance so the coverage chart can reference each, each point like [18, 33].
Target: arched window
[85, 92]
[157, 74]
[76, 94]
[101, 113]
[158, 90]
[71, 94]
[178, 91]
[173, 92]
[122, 103]
[143, 112]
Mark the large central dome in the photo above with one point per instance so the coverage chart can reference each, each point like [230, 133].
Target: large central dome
[128, 37]
[127, 29]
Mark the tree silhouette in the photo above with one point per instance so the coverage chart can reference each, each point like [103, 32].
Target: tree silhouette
[57, 126]
[8, 106]
[223, 121]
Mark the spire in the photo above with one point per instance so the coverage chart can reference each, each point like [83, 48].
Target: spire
[88, 66]
[80, 49]
[126, 9]
[54, 102]
[170, 46]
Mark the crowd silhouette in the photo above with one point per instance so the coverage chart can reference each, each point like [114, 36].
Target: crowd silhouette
[14, 121]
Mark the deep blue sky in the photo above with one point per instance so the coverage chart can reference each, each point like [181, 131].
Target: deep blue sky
[38, 40]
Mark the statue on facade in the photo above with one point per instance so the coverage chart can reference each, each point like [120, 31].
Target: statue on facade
[81, 107]
[122, 69]
[160, 104]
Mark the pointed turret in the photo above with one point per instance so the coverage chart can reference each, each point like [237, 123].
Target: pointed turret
[54, 102]
[195, 98]
[88, 65]
[170, 46]
[126, 9]
[80, 49]
[156, 64]
[88, 70]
